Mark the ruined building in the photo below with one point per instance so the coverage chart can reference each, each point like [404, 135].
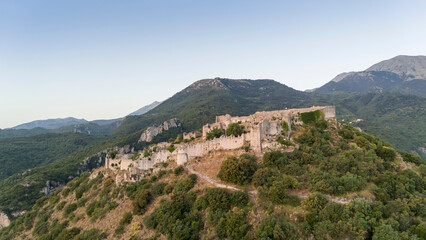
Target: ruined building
[260, 132]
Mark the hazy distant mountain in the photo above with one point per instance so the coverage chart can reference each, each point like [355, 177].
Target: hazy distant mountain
[401, 74]
[51, 123]
[145, 109]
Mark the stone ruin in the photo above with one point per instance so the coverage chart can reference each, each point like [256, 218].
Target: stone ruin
[260, 132]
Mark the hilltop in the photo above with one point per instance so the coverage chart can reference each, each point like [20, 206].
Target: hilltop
[393, 117]
[310, 177]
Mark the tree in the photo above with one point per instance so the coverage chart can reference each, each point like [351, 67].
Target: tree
[235, 129]
[316, 202]
[385, 232]
[215, 133]
[265, 177]
[278, 192]
[232, 226]
[275, 159]
[238, 170]
[141, 201]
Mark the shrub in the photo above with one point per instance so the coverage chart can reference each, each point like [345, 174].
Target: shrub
[158, 189]
[239, 171]
[362, 142]
[284, 142]
[315, 202]
[185, 184]
[179, 170]
[135, 156]
[385, 232]
[92, 234]
[284, 125]
[311, 117]
[333, 212]
[232, 226]
[61, 205]
[168, 189]
[265, 177]
[141, 201]
[119, 230]
[69, 233]
[321, 124]
[218, 198]
[290, 182]
[275, 159]
[239, 199]
[171, 148]
[409, 157]
[82, 201]
[235, 129]
[113, 154]
[353, 182]
[111, 206]
[386, 153]
[65, 192]
[276, 226]
[69, 209]
[126, 219]
[278, 192]
[214, 133]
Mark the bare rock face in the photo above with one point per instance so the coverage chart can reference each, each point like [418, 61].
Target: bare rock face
[51, 186]
[154, 130]
[4, 220]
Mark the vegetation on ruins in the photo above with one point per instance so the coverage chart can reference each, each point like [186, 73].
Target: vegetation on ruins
[234, 129]
[214, 133]
[285, 126]
[311, 117]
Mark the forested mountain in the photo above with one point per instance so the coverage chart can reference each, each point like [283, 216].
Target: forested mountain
[51, 123]
[17, 154]
[401, 74]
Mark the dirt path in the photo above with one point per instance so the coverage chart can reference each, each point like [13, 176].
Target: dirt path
[253, 193]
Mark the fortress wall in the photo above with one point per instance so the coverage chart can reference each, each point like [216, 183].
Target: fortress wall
[268, 124]
[255, 139]
[125, 163]
[329, 112]
[162, 155]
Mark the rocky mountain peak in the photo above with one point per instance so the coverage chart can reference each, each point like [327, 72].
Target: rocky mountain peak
[414, 67]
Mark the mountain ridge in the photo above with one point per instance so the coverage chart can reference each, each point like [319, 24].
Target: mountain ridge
[402, 74]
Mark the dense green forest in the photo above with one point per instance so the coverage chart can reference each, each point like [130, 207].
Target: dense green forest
[386, 188]
[17, 154]
[88, 128]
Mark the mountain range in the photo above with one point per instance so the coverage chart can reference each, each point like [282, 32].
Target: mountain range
[69, 125]
[401, 74]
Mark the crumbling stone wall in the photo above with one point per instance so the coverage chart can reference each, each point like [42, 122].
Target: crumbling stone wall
[260, 128]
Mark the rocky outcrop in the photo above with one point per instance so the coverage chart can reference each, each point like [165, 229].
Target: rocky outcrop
[51, 186]
[4, 220]
[154, 130]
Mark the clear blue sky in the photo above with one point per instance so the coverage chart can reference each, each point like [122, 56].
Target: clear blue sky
[105, 59]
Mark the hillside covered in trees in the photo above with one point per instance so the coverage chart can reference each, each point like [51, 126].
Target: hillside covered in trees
[331, 182]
